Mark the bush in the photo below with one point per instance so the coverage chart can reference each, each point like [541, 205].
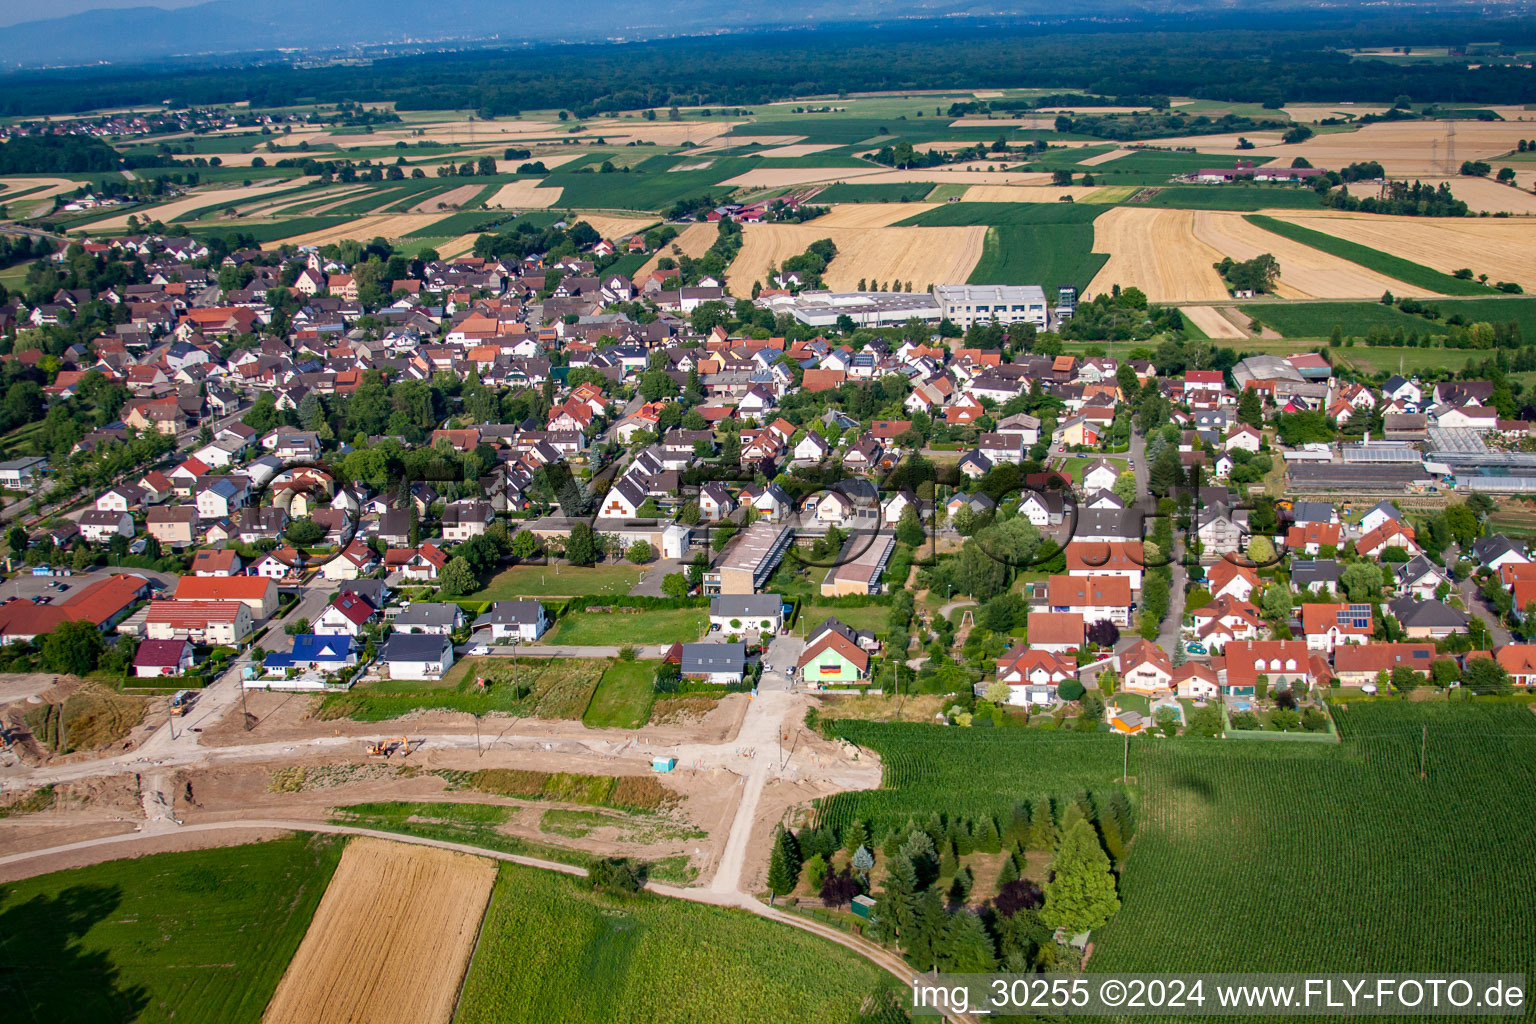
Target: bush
[617, 875]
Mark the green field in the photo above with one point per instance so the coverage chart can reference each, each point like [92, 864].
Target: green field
[908, 192]
[1234, 197]
[1049, 244]
[540, 687]
[1396, 359]
[624, 696]
[198, 936]
[1520, 310]
[266, 231]
[552, 949]
[608, 580]
[1374, 259]
[1216, 817]
[658, 626]
[873, 618]
[1317, 319]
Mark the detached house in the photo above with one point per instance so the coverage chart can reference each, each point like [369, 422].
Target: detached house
[1145, 668]
[1330, 625]
[1033, 675]
[1094, 598]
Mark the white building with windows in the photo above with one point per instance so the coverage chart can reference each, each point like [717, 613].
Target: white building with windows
[967, 304]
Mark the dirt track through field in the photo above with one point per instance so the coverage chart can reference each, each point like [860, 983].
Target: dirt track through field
[1210, 320]
[1503, 248]
[1305, 272]
[390, 940]
[1156, 251]
[922, 256]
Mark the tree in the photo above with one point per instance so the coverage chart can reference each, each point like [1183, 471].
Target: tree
[1276, 602]
[1104, 633]
[1444, 672]
[1405, 679]
[674, 584]
[998, 692]
[297, 626]
[16, 540]
[1250, 409]
[581, 545]
[1081, 893]
[524, 545]
[73, 647]
[1361, 581]
[1126, 487]
[1485, 676]
[909, 530]
[1167, 471]
[639, 552]
[783, 864]
[457, 578]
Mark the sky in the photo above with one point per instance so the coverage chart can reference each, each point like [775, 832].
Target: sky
[15, 11]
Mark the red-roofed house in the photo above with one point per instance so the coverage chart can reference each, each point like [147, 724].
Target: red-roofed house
[1058, 632]
[1092, 597]
[156, 658]
[1330, 625]
[344, 616]
[1311, 538]
[1033, 674]
[1145, 668]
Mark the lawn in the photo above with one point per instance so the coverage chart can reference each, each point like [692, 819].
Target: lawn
[1391, 359]
[624, 696]
[610, 579]
[197, 936]
[536, 687]
[1317, 319]
[873, 618]
[618, 628]
[1381, 262]
[1213, 816]
[1234, 197]
[551, 949]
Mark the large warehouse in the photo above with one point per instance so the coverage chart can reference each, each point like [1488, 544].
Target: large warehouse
[967, 304]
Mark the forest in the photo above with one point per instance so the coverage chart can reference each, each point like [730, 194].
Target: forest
[1244, 57]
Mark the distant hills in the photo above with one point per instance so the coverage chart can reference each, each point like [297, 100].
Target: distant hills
[137, 35]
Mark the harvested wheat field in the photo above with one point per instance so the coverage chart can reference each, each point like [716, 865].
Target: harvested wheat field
[375, 225]
[612, 227]
[1482, 194]
[798, 149]
[523, 195]
[46, 189]
[1156, 251]
[458, 246]
[1317, 112]
[922, 256]
[1504, 249]
[390, 939]
[1104, 158]
[450, 200]
[870, 215]
[694, 241]
[1210, 320]
[1028, 193]
[198, 199]
[1305, 272]
[1033, 124]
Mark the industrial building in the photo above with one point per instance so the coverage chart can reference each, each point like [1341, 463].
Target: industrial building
[866, 309]
[967, 304]
[750, 560]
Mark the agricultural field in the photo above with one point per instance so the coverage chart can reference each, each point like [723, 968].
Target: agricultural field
[390, 939]
[1046, 244]
[538, 687]
[609, 579]
[1415, 274]
[619, 628]
[1209, 321]
[202, 935]
[1305, 272]
[1246, 198]
[924, 256]
[1156, 251]
[1317, 319]
[898, 192]
[1214, 816]
[551, 949]
[1499, 247]
[623, 697]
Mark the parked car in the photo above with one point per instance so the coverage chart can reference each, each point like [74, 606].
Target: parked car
[1194, 648]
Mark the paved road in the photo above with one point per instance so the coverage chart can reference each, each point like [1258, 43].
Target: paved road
[1479, 606]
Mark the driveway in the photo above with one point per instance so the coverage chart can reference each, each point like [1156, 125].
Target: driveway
[1477, 605]
[783, 654]
[653, 574]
